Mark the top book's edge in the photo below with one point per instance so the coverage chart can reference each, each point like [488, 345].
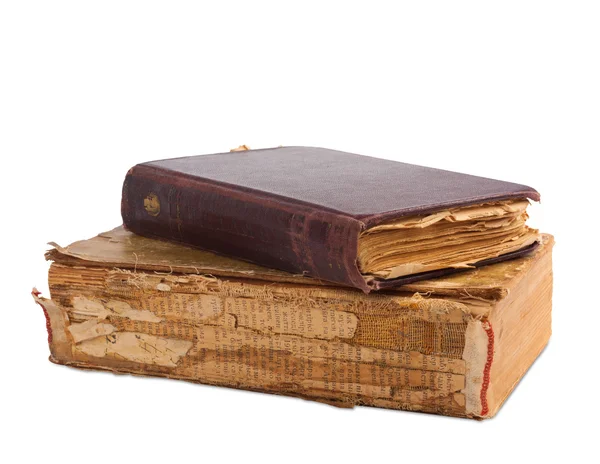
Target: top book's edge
[122, 249]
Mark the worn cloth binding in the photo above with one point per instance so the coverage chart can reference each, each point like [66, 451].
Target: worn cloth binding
[297, 209]
[455, 345]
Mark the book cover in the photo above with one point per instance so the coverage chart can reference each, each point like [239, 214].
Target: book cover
[355, 220]
[455, 345]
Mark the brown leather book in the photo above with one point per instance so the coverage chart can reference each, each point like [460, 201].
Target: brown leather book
[355, 220]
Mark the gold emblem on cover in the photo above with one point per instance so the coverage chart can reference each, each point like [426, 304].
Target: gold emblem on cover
[151, 204]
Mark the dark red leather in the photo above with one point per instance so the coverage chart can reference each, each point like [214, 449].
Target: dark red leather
[298, 209]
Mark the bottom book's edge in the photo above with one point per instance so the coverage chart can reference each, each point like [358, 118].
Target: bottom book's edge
[500, 402]
[338, 402]
[523, 326]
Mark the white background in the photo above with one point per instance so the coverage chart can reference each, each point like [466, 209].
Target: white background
[87, 89]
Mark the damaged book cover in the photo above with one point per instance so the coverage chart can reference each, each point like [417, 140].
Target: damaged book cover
[457, 345]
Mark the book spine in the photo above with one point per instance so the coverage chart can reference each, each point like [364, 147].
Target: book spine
[243, 223]
[319, 343]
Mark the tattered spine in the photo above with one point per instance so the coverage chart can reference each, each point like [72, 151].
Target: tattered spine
[454, 346]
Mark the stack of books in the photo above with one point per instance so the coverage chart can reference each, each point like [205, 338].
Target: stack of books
[313, 273]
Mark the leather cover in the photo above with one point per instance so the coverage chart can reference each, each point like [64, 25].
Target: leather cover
[297, 209]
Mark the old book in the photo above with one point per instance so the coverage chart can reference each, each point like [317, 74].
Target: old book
[355, 220]
[455, 345]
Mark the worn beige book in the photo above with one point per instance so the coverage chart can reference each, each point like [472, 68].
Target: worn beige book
[456, 346]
